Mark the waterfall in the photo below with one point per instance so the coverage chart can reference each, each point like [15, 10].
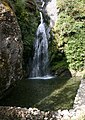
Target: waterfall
[40, 59]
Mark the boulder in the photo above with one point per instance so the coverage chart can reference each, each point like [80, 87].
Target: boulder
[10, 47]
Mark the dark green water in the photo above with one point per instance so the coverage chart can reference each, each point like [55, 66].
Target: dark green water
[28, 93]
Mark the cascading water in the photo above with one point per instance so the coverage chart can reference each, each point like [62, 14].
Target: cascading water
[40, 59]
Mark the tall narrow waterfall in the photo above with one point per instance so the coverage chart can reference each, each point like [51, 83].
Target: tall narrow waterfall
[40, 59]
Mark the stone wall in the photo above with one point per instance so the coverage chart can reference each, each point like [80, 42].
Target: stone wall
[10, 48]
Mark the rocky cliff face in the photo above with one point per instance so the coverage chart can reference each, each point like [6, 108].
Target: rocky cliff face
[10, 48]
[52, 11]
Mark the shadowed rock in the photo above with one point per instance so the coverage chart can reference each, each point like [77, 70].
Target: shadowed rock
[10, 48]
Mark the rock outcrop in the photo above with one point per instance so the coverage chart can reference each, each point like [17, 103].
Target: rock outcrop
[10, 47]
[52, 11]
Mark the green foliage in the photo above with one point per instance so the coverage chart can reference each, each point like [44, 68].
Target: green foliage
[60, 65]
[75, 51]
[69, 32]
[28, 21]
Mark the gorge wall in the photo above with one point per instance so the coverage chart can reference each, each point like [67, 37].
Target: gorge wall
[10, 48]
[28, 19]
[52, 11]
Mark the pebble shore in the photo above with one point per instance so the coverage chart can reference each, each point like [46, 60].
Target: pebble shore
[77, 113]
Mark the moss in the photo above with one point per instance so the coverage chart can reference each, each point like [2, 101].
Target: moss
[62, 97]
[28, 21]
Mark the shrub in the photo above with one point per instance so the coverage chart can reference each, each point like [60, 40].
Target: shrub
[69, 32]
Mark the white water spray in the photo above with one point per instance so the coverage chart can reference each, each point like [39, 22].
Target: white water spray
[40, 59]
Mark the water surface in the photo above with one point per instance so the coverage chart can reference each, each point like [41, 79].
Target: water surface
[30, 92]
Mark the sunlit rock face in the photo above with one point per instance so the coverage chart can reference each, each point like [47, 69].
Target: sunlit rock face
[52, 11]
[10, 48]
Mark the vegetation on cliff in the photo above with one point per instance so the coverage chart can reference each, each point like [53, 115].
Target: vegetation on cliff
[27, 16]
[67, 46]
[69, 36]
[66, 51]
